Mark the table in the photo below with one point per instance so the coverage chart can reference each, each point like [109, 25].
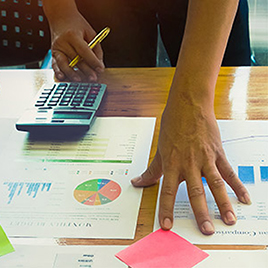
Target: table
[241, 94]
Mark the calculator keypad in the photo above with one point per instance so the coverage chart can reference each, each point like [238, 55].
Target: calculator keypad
[70, 95]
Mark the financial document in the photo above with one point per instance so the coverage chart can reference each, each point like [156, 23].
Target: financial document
[246, 146]
[235, 259]
[75, 188]
[54, 256]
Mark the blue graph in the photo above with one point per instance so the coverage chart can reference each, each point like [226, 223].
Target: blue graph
[246, 174]
[30, 189]
[264, 173]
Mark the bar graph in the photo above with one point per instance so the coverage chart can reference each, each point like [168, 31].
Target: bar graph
[246, 174]
[30, 189]
[264, 173]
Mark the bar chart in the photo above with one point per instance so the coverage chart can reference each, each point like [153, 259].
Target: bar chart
[30, 189]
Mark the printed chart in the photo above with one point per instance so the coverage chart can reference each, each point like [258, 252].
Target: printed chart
[26, 188]
[97, 192]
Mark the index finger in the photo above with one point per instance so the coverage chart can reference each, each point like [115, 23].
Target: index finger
[88, 55]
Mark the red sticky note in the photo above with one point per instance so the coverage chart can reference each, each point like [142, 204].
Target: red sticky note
[162, 249]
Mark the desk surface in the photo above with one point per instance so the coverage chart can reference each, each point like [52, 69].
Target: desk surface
[241, 94]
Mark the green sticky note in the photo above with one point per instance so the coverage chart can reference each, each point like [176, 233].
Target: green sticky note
[5, 245]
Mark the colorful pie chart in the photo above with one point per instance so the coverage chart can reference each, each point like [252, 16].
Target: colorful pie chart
[97, 192]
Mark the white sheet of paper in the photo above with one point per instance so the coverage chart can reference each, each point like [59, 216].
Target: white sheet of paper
[55, 256]
[246, 147]
[76, 188]
[32, 256]
[235, 259]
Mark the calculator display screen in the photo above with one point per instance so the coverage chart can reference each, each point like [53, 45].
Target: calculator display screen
[71, 115]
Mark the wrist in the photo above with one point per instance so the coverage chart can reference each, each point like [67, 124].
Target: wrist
[191, 91]
[67, 9]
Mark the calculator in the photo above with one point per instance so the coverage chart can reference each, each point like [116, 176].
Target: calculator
[63, 106]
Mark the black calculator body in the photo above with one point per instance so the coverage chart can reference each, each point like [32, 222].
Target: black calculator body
[63, 106]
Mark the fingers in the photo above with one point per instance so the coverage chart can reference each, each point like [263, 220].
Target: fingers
[88, 55]
[87, 68]
[167, 199]
[61, 64]
[151, 175]
[217, 187]
[88, 74]
[198, 202]
[232, 179]
[58, 73]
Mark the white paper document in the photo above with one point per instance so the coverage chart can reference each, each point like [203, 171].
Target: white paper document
[32, 256]
[246, 146]
[55, 256]
[75, 188]
[235, 259]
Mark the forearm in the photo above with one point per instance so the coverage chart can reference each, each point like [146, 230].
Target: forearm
[208, 26]
[59, 9]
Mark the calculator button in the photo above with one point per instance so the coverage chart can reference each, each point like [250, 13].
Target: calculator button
[79, 96]
[66, 95]
[74, 84]
[65, 99]
[39, 104]
[88, 104]
[52, 104]
[57, 95]
[54, 99]
[45, 94]
[89, 100]
[62, 85]
[70, 91]
[59, 91]
[75, 104]
[41, 100]
[77, 100]
[64, 103]
[91, 96]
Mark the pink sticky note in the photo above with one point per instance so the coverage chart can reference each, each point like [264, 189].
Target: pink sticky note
[162, 249]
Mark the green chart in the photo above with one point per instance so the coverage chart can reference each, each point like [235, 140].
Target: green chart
[97, 192]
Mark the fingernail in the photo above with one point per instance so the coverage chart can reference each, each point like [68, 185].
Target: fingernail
[91, 79]
[167, 224]
[76, 79]
[207, 228]
[60, 76]
[247, 199]
[230, 218]
[136, 180]
[99, 70]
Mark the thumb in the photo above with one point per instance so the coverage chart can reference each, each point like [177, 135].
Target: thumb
[151, 175]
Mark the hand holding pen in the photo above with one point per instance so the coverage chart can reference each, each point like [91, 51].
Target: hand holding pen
[70, 39]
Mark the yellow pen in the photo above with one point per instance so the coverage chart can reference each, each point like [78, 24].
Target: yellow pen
[97, 39]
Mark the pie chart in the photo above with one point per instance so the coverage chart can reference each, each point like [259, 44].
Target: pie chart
[97, 192]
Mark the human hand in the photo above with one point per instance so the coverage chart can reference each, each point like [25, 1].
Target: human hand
[70, 35]
[190, 147]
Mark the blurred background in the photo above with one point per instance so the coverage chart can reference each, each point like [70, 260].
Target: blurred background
[22, 39]
[258, 25]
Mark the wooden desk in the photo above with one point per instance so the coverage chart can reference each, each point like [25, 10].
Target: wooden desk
[241, 93]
